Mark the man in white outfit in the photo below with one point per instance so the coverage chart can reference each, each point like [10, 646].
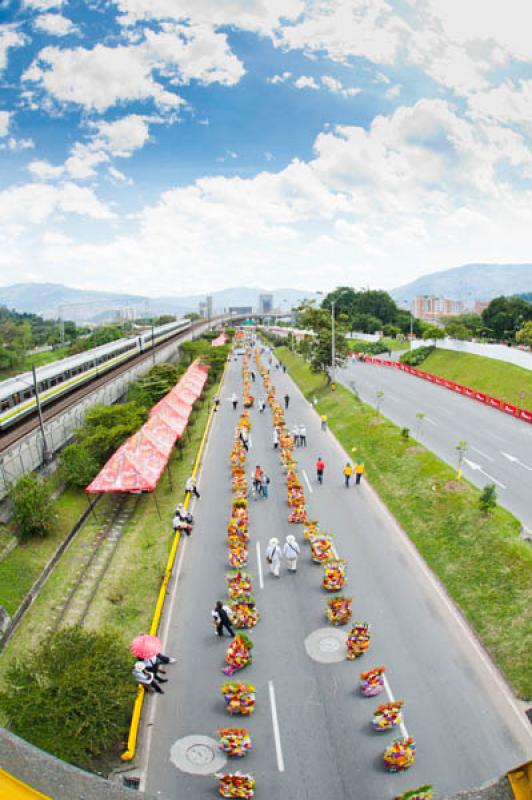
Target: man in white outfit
[291, 550]
[273, 556]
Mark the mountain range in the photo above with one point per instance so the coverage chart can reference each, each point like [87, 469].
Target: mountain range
[53, 300]
[469, 283]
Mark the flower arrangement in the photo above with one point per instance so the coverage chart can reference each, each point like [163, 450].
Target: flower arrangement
[239, 583]
[238, 655]
[358, 640]
[298, 515]
[245, 614]
[333, 575]
[239, 698]
[248, 400]
[387, 715]
[234, 539]
[238, 556]
[321, 548]
[239, 484]
[423, 793]
[236, 785]
[372, 681]
[312, 529]
[339, 610]
[296, 497]
[235, 741]
[400, 754]
[245, 420]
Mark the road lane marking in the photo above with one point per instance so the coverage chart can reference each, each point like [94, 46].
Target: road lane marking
[307, 480]
[515, 460]
[259, 567]
[473, 465]
[391, 698]
[484, 455]
[275, 723]
[431, 421]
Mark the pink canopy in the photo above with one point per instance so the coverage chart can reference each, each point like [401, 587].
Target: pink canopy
[138, 464]
[219, 341]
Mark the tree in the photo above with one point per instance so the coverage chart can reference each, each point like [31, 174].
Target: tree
[488, 498]
[33, 508]
[78, 465]
[524, 334]
[148, 390]
[457, 330]
[192, 316]
[433, 332]
[506, 315]
[320, 360]
[311, 318]
[106, 427]
[164, 319]
[72, 695]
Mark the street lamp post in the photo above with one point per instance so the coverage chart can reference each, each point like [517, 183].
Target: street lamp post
[333, 345]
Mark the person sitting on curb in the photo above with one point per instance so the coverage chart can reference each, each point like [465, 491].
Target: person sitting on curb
[146, 678]
[191, 487]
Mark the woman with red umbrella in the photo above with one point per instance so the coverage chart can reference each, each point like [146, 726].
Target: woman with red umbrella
[149, 649]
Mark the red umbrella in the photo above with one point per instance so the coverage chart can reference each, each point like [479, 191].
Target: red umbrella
[145, 646]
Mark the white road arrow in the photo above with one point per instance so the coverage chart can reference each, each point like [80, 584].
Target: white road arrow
[477, 467]
[515, 460]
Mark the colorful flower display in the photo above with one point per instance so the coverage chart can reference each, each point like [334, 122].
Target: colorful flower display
[321, 548]
[372, 681]
[236, 742]
[358, 640]
[238, 655]
[334, 575]
[423, 793]
[298, 515]
[312, 528]
[236, 785]
[387, 715]
[239, 698]
[238, 555]
[339, 610]
[239, 583]
[244, 611]
[400, 754]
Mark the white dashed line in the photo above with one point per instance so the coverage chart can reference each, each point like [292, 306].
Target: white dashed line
[275, 723]
[307, 480]
[259, 567]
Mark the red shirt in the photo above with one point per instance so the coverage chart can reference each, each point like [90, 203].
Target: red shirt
[320, 465]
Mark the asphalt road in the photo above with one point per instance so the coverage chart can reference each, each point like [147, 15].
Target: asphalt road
[466, 727]
[499, 446]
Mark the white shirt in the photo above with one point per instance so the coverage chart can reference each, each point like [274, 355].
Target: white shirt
[291, 551]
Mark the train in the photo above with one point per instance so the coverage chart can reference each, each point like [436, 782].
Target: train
[17, 395]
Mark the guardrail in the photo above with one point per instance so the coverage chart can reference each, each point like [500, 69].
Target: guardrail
[129, 753]
[493, 402]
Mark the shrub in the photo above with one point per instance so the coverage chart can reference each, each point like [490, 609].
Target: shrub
[33, 508]
[488, 498]
[415, 357]
[78, 466]
[405, 433]
[72, 697]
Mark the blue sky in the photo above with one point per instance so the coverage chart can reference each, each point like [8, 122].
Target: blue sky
[170, 146]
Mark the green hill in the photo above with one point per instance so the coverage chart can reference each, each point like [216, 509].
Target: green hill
[497, 378]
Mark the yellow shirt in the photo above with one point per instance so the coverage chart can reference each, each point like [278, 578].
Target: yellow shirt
[348, 470]
[359, 468]
[323, 417]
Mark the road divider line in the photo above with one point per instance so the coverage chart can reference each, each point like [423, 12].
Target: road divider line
[484, 455]
[474, 466]
[516, 460]
[431, 422]
[259, 567]
[275, 723]
[391, 698]
[307, 480]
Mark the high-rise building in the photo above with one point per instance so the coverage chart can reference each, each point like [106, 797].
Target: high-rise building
[203, 309]
[265, 303]
[431, 308]
[208, 304]
[480, 305]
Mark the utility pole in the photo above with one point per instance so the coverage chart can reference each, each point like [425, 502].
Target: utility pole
[46, 454]
[333, 346]
[153, 342]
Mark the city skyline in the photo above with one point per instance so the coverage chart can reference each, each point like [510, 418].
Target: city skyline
[211, 144]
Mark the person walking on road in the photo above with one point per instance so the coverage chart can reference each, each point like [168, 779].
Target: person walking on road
[252, 376]
[359, 471]
[286, 400]
[302, 436]
[275, 438]
[320, 468]
[234, 400]
[291, 550]
[191, 487]
[264, 484]
[262, 405]
[295, 434]
[216, 402]
[257, 478]
[221, 619]
[348, 471]
[273, 556]
[324, 421]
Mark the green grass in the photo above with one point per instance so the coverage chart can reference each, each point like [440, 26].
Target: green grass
[481, 561]
[497, 378]
[39, 359]
[23, 565]
[395, 344]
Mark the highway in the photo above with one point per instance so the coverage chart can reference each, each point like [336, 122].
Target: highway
[499, 446]
[311, 727]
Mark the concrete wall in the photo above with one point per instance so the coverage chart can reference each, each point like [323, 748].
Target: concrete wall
[364, 337]
[499, 352]
[26, 455]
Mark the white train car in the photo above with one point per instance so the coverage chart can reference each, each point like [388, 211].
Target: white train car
[17, 395]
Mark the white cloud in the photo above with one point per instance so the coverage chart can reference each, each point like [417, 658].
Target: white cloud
[55, 24]
[507, 104]
[118, 177]
[20, 144]
[105, 76]
[336, 87]
[306, 82]
[43, 5]
[281, 78]
[9, 37]
[34, 203]
[261, 16]
[5, 117]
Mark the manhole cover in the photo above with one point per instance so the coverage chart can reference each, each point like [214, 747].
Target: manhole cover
[329, 644]
[326, 645]
[197, 755]
[200, 754]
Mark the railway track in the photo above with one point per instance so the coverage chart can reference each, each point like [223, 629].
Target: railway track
[85, 583]
[51, 410]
